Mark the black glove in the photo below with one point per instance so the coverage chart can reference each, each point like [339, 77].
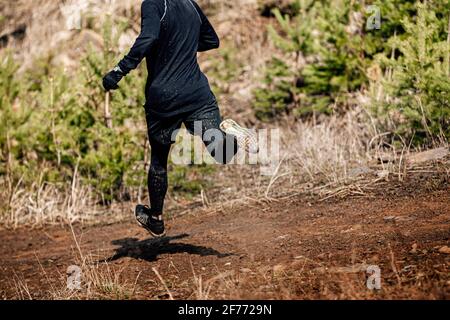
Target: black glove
[111, 80]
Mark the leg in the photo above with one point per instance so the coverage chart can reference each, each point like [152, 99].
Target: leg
[221, 146]
[157, 177]
[206, 123]
[151, 218]
[160, 133]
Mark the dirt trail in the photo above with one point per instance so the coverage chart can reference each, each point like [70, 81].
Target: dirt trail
[284, 250]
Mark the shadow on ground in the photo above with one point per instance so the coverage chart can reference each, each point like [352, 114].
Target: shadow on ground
[150, 249]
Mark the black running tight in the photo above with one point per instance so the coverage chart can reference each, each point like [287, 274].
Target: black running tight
[157, 176]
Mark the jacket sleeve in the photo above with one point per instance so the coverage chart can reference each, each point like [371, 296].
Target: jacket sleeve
[208, 36]
[150, 28]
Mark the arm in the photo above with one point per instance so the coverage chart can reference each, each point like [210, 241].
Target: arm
[208, 36]
[150, 27]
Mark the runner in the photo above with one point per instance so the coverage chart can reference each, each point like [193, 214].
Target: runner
[177, 92]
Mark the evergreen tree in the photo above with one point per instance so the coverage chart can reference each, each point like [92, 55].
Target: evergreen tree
[326, 55]
[323, 59]
[417, 97]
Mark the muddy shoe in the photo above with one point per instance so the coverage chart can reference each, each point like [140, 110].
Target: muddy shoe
[246, 138]
[153, 224]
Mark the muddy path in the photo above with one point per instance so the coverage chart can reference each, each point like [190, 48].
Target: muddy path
[287, 249]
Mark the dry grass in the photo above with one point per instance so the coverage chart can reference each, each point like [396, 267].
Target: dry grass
[21, 288]
[309, 279]
[43, 203]
[335, 158]
[311, 155]
[98, 280]
[314, 159]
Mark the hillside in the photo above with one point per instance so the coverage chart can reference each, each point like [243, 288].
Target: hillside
[283, 249]
[357, 182]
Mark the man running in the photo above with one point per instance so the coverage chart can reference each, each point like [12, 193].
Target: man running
[172, 32]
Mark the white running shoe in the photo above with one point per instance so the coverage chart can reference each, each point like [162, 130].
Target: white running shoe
[246, 138]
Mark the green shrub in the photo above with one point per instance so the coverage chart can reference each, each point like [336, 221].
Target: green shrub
[418, 86]
[54, 127]
[274, 98]
[321, 60]
[326, 56]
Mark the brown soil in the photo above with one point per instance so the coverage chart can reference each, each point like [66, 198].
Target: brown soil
[290, 249]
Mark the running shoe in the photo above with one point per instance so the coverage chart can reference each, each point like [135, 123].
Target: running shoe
[153, 224]
[246, 138]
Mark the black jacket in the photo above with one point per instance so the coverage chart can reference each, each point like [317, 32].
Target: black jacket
[172, 32]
